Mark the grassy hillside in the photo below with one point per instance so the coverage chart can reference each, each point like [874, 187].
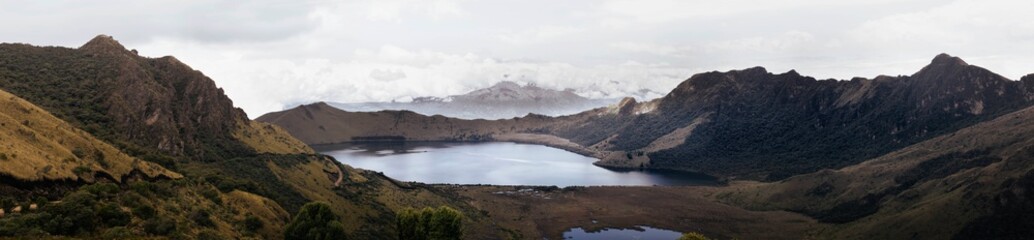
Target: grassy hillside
[40, 147]
[973, 183]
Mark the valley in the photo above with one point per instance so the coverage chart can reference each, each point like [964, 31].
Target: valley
[106, 143]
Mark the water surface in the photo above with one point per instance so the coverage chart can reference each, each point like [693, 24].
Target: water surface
[496, 163]
[641, 232]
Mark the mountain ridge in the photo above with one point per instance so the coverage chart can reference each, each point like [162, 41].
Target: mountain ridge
[502, 100]
[753, 124]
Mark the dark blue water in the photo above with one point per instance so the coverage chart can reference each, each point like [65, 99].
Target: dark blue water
[643, 232]
[496, 163]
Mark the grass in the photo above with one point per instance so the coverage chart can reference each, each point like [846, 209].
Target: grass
[38, 146]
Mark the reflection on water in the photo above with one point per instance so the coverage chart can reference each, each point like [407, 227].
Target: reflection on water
[641, 232]
[497, 163]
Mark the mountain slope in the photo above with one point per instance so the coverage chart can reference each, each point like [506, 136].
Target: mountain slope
[40, 147]
[162, 111]
[973, 183]
[739, 124]
[321, 123]
[754, 124]
[504, 100]
[144, 105]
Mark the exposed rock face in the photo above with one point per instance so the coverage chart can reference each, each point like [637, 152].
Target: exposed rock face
[164, 103]
[626, 106]
[136, 102]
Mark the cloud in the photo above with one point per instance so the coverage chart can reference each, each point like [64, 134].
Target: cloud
[272, 54]
[387, 75]
[538, 35]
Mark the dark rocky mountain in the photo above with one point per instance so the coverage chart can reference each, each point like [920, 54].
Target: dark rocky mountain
[745, 123]
[145, 105]
[105, 115]
[503, 100]
[751, 123]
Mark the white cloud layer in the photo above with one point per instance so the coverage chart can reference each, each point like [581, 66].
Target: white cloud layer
[269, 55]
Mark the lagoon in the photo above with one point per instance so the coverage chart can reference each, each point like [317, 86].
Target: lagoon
[496, 163]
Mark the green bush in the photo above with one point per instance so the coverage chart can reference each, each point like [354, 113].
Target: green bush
[40, 201]
[74, 215]
[315, 222]
[208, 235]
[7, 203]
[79, 153]
[117, 233]
[212, 194]
[252, 223]
[144, 212]
[202, 218]
[160, 226]
[105, 190]
[112, 215]
[430, 224]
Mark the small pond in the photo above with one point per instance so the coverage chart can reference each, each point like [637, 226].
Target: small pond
[640, 232]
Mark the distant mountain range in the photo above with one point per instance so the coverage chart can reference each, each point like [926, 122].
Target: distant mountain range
[501, 101]
[100, 142]
[943, 153]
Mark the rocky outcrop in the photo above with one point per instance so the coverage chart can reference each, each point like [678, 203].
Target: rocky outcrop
[144, 105]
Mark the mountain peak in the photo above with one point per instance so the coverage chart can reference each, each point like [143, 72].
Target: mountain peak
[945, 59]
[942, 66]
[506, 85]
[104, 43]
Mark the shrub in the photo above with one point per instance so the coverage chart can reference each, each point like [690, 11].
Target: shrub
[105, 190]
[40, 201]
[315, 222]
[160, 226]
[99, 157]
[117, 233]
[74, 215]
[79, 153]
[202, 217]
[7, 203]
[112, 215]
[212, 194]
[252, 223]
[693, 236]
[208, 235]
[430, 223]
[144, 212]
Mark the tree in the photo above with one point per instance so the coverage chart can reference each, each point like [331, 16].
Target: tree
[693, 236]
[315, 222]
[430, 224]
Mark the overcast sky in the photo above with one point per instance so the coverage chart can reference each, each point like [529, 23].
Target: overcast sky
[268, 55]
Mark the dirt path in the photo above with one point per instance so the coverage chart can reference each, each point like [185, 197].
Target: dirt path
[340, 172]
